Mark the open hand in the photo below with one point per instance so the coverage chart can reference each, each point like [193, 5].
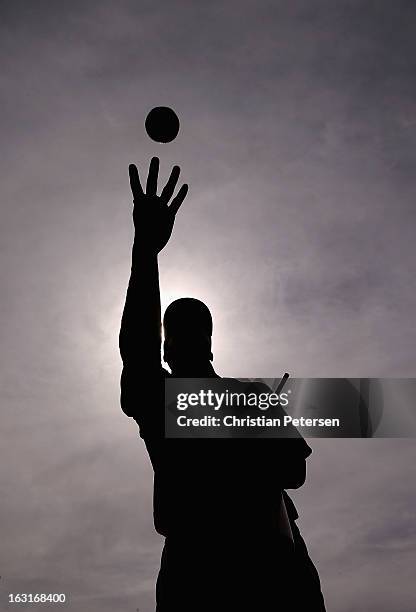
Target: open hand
[152, 215]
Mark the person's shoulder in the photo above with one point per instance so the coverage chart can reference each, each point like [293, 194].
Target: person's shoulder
[247, 385]
[132, 373]
[138, 385]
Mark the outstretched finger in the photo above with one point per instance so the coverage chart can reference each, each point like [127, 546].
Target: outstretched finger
[169, 188]
[135, 185]
[151, 184]
[178, 199]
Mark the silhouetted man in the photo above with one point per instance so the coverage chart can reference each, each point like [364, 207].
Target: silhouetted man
[219, 503]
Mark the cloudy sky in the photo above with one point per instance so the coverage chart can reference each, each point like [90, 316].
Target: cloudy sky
[298, 128]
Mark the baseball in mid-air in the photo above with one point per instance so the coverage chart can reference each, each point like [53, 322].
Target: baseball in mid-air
[162, 124]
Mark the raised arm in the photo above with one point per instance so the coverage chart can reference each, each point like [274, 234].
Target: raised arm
[140, 333]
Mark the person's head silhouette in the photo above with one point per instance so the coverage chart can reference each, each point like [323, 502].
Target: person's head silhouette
[187, 325]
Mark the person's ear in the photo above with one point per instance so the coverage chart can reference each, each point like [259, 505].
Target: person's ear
[211, 356]
[166, 352]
